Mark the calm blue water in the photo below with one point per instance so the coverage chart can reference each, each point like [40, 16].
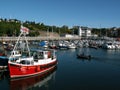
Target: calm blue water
[102, 72]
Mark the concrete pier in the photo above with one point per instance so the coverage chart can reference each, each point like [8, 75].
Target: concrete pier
[40, 38]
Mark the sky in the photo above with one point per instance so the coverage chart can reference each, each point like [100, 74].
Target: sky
[90, 13]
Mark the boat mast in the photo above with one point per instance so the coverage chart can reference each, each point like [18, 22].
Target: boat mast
[22, 37]
[27, 43]
[17, 41]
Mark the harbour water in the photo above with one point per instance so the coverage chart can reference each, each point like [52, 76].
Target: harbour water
[102, 72]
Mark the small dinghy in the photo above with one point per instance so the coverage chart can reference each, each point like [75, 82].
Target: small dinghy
[83, 56]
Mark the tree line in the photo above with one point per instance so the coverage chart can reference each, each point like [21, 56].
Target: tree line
[11, 27]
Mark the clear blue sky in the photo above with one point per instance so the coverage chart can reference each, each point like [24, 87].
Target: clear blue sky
[91, 13]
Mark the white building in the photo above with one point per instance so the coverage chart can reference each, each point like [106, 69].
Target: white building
[84, 32]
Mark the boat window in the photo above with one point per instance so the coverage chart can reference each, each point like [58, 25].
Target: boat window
[46, 53]
[12, 53]
[40, 55]
[109, 43]
[25, 62]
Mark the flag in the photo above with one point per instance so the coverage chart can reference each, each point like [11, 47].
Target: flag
[24, 29]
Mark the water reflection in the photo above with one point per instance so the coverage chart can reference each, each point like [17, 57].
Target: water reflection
[4, 77]
[33, 83]
[3, 74]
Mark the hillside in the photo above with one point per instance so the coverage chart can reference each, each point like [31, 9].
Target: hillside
[10, 27]
[44, 34]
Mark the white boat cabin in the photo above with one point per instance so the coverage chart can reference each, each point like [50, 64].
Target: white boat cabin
[14, 54]
[35, 57]
[43, 54]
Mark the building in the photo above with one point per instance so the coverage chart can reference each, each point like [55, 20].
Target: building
[84, 32]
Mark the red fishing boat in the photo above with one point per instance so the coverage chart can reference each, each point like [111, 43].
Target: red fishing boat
[24, 62]
[34, 82]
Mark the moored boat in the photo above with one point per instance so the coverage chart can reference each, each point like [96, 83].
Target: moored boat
[71, 46]
[3, 62]
[33, 82]
[83, 56]
[29, 63]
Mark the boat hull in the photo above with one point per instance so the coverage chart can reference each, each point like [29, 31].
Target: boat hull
[32, 82]
[3, 61]
[20, 71]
